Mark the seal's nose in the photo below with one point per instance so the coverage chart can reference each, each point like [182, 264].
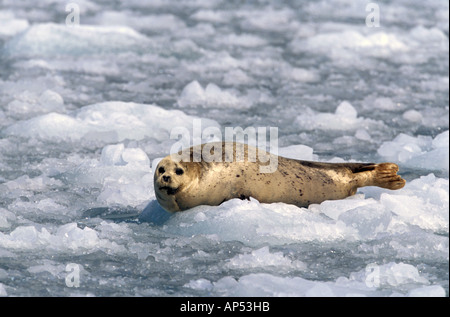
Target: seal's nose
[166, 178]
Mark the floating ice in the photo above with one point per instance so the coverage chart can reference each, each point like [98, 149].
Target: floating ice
[421, 152]
[298, 152]
[211, 16]
[2, 290]
[348, 47]
[108, 121]
[391, 274]
[381, 103]
[269, 19]
[29, 104]
[212, 96]
[67, 238]
[423, 202]
[58, 39]
[264, 259]
[36, 184]
[154, 23]
[413, 116]
[244, 40]
[5, 218]
[363, 283]
[49, 266]
[123, 173]
[428, 291]
[10, 25]
[300, 74]
[344, 118]
[254, 224]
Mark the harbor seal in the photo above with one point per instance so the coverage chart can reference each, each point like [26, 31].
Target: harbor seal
[183, 184]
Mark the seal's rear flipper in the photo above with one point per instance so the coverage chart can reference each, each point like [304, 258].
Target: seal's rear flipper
[386, 176]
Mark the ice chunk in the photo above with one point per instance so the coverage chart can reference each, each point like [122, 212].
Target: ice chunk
[21, 237]
[49, 266]
[237, 77]
[351, 48]
[390, 274]
[67, 238]
[29, 104]
[127, 191]
[46, 207]
[51, 39]
[297, 152]
[269, 19]
[344, 118]
[369, 220]
[264, 284]
[427, 291]
[5, 218]
[264, 258]
[384, 103]
[362, 134]
[36, 184]
[212, 96]
[10, 25]
[123, 173]
[421, 152]
[413, 116]
[334, 209]
[441, 140]
[423, 202]
[118, 155]
[73, 237]
[3, 290]
[254, 224]
[300, 74]
[49, 126]
[343, 46]
[153, 23]
[244, 40]
[135, 156]
[112, 155]
[200, 284]
[193, 93]
[211, 16]
[345, 109]
[108, 122]
[49, 97]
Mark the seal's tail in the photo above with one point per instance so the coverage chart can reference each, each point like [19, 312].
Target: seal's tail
[385, 176]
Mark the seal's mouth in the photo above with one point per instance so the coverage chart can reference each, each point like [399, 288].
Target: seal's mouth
[170, 190]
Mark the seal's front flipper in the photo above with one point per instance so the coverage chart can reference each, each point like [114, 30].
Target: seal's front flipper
[385, 176]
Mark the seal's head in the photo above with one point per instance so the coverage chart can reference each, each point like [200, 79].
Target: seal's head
[170, 178]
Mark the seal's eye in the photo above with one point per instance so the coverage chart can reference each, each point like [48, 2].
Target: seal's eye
[179, 171]
[161, 170]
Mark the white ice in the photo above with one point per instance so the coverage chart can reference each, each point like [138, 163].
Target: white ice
[419, 152]
[108, 121]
